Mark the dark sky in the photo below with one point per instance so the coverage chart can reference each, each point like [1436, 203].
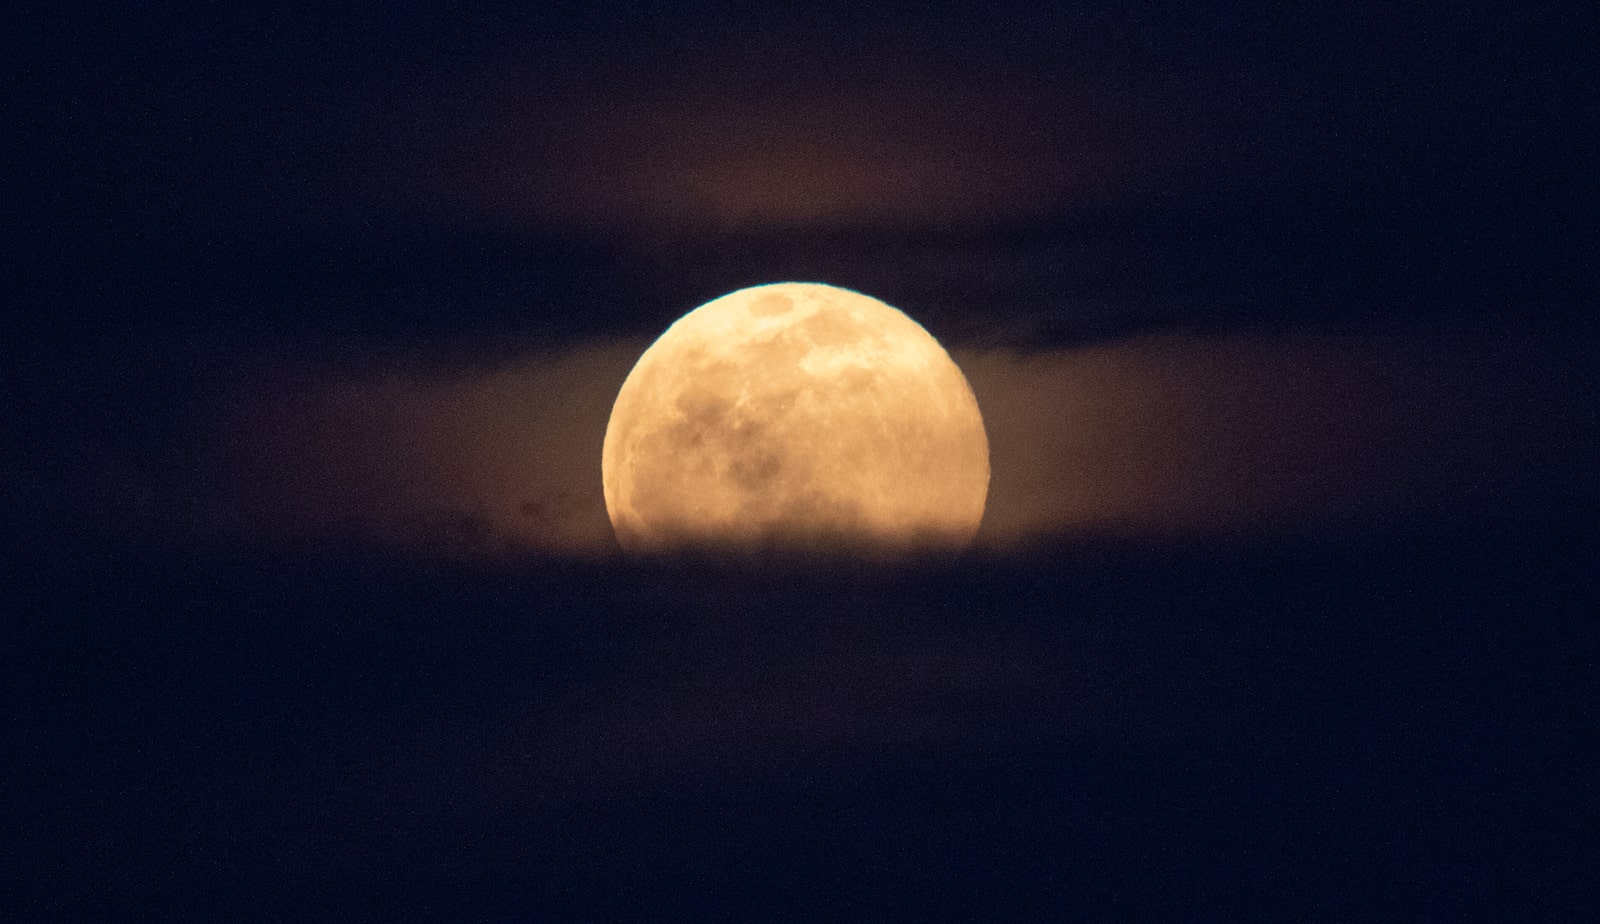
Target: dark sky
[1281, 319]
[1364, 162]
[227, 209]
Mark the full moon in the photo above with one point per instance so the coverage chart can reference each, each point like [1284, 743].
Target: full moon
[795, 414]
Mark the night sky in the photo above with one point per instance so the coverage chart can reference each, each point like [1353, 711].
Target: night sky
[1281, 320]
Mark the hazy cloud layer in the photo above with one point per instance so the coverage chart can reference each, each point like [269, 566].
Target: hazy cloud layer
[1165, 434]
[469, 459]
[1177, 433]
[777, 121]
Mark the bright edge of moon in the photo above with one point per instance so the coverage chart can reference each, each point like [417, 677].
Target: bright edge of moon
[795, 415]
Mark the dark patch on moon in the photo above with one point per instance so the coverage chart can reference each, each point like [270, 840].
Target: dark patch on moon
[785, 351]
[703, 407]
[857, 380]
[833, 329]
[809, 516]
[756, 470]
[771, 305]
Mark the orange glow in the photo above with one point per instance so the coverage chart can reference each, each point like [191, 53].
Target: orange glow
[795, 413]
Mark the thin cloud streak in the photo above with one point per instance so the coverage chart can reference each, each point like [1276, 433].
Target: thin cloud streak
[1176, 434]
[1168, 434]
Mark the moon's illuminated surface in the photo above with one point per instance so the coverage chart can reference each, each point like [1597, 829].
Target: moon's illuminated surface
[795, 413]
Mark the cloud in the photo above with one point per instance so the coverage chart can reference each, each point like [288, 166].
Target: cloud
[1167, 434]
[1191, 434]
[780, 127]
[505, 456]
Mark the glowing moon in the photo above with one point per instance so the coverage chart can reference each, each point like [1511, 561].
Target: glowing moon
[795, 414]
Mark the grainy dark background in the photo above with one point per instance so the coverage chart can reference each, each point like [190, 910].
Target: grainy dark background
[1282, 320]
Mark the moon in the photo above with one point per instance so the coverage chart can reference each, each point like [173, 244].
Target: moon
[795, 415]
